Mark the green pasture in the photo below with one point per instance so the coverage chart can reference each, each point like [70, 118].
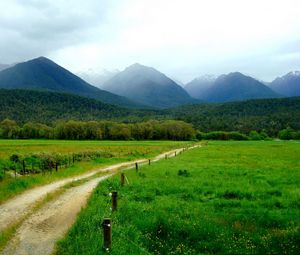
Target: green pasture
[121, 151]
[223, 198]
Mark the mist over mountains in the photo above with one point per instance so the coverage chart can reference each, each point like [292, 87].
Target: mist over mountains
[287, 85]
[43, 74]
[139, 86]
[3, 66]
[148, 86]
[231, 87]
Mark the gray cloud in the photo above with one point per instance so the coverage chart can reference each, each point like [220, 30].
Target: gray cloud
[183, 38]
[33, 28]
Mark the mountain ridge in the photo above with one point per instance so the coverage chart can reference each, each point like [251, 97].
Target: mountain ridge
[43, 74]
[234, 86]
[149, 86]
[288, 84]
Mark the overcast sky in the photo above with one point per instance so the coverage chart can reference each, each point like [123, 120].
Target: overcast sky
[182, 38]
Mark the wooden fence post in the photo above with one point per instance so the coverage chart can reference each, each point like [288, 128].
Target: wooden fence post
[122, 179]
[56, 166]
[175, 154]
[136, 166]
[24, 168]
[114, 200]
[149, 162]
[166, 156]
[107, 237]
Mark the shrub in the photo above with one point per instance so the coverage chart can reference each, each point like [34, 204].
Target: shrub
[222, 135]
[285, 134]
[217, 135]
[254, 135]
[296, 135]
[237, 136]
[200, 135]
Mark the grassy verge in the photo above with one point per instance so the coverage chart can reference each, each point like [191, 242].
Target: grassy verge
[225, 198]
[124, 151]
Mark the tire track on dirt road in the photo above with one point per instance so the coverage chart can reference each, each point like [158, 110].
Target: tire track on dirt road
[40, 231]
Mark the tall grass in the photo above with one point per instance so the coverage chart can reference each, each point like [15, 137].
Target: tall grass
[225, 198]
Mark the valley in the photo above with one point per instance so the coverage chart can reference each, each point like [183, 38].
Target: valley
[150, 127]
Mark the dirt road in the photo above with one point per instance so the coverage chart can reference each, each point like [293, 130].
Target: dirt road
[39, 232]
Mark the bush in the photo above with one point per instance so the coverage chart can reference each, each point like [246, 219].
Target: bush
[296, 135]
[285, 134]
[237, 136]
[221, 135]
[200, 135]
[217, 135]
[254, 135]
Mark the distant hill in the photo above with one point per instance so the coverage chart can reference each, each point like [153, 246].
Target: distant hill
[231, 87]
[43, 74]
[200, 85]
[287, 85]
[46, 107]
[148, 86]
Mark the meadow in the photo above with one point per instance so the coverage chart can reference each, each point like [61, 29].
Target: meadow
[224, 198]
[112, 151]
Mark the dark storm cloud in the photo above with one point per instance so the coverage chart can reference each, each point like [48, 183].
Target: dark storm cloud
[33, 28]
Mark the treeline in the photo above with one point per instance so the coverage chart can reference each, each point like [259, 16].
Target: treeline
[285, 134]
[99, 130]
[268, 115]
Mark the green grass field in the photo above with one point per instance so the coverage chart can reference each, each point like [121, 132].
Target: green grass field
[121, 151]
[233, 198]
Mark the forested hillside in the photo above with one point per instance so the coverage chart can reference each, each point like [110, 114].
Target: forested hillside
[46, 107]
[270, 115]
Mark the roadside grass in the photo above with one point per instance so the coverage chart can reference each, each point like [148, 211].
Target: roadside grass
[122, 150]
[224, 198]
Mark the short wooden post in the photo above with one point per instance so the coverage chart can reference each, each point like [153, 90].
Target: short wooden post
[107, 237]
[122, 179]
[114, 200]
[56, 166]
[149, 162]
[73, 158]
[136, 166]
[24, 168]
[166, 156]
[175, 154]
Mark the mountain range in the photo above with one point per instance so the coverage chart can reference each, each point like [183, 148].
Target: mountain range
[43, 74]
[139, 86]
[231, 87]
